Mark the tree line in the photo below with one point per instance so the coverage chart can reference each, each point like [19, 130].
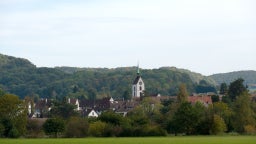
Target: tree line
[22, 78]
[235, 113]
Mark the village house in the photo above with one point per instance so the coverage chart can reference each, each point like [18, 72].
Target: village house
[138, 86]
[90, 113]
[42, 107]
[74, 102]
[93, 108]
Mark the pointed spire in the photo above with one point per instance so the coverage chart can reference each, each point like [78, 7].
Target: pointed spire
[138, 69]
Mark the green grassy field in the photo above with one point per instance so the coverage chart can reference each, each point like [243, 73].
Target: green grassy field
[150, 140]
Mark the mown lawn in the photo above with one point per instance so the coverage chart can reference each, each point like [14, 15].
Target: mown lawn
[146, 140]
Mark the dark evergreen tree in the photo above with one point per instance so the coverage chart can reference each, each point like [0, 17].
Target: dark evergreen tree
[236, 88]
[63, 110]
[127, 95]
[223, 89]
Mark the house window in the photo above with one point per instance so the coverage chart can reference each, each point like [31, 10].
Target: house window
[140, 88]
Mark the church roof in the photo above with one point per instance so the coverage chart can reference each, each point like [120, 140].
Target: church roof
[137, 79]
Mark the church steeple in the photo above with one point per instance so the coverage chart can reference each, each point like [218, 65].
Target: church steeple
[138, 69]
[138, 86]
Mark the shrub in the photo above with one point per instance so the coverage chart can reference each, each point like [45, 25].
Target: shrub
[249, 129]
[54, 126]
[13, 133]
[77, 127]
[2, 130]
[97, 128]
[35, 128]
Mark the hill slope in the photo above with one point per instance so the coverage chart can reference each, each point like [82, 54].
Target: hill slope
[21, 77]
[248, 76]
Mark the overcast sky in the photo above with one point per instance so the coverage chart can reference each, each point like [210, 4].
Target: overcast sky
[205, 36]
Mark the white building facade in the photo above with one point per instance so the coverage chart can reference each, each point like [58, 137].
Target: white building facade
[138, 86]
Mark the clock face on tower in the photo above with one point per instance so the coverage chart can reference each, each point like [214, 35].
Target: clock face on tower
[140, 83]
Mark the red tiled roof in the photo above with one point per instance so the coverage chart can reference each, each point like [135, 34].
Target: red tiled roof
[204, 99]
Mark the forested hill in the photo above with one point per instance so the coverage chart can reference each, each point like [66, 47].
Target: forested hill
[248, 76]
[21, 77]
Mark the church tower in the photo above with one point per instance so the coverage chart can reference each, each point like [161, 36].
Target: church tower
[138, 86]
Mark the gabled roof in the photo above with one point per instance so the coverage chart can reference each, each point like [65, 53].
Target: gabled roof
[100, 104]
[72, 101]
[203, 99]
[88, 111]
[123, 106]
[43, 103]
[137, 79]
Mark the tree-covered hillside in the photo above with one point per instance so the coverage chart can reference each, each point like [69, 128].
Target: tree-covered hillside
[248, 76]
[21, 77]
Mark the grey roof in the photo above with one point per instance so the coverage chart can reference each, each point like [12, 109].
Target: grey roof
[137, 79]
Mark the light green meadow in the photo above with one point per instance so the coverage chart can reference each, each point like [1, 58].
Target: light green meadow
[145, 140]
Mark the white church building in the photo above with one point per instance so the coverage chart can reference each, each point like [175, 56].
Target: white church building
[138, 86]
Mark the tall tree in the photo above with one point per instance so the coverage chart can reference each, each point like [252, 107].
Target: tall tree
[224, 112]
[127, 95]
[185, 119]
[182, 94]
[63, 110]
[13, 115]
[218, 125]
[223, 89]
[244, 115]
[236, 88]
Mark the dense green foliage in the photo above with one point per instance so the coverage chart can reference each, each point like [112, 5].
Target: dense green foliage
[223, 88]
[20, 77]
[63, 110]
[54, 126]
[236, 112]
[13, 116]
[236, 88]
[150, 118]
[182, 94]
[77, 127]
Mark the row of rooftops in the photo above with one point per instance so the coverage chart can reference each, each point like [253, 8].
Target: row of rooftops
[108, 103]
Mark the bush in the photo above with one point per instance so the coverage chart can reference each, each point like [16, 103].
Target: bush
[149, 131]
[2, 130]
[54, 126]
[249, 129]
[154, 131]
[35, 128]
[13, 133]
[77, 127]
[97, 128]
